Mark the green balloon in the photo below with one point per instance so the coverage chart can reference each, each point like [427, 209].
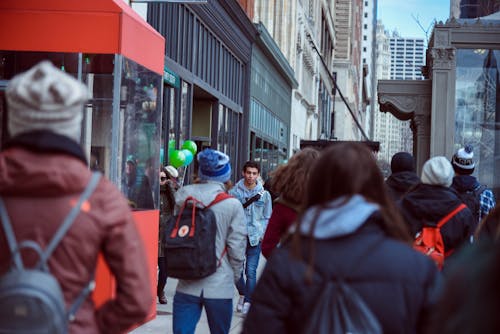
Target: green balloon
[171, 147]
[177, 158]
[190, 146]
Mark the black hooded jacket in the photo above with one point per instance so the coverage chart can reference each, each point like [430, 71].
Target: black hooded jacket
[427, 204]
[399, 183]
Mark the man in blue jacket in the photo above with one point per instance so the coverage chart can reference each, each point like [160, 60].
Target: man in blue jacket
[257, 205]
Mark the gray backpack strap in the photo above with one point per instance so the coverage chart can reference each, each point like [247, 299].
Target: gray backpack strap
[9, 234]
[70, 218]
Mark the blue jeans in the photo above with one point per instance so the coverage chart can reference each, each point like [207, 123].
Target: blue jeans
[252, 262]
[187, 312]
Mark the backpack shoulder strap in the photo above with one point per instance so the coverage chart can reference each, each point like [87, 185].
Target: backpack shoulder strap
[450, 215]
[11, 238]
[219, 198]
[70, 218]
[9, 235]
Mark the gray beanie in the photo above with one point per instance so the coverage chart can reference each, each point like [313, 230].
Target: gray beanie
[46, 98]
[437, 171]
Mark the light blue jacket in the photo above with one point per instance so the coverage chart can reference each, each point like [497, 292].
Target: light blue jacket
[258, 213]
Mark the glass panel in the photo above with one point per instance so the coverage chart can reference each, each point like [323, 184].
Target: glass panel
[15, 62]
[221, 129]
[185, 111]
[3, 118]
[478, 110]
[97, 74]
[140, 103]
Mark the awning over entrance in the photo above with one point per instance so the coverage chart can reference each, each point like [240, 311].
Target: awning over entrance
[90, 26]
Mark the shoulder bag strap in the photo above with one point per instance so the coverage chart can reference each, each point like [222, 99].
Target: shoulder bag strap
[252, 199]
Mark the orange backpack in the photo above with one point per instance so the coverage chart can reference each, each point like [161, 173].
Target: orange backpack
[430, 241]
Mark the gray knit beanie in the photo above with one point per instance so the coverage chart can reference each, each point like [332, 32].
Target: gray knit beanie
[46, 98]
[437, 171]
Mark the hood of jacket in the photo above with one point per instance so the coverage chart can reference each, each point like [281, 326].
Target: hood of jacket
[244, 192]
[462, 183]
[402, 181]
[429, 203]
[41, 162]
[337, 219]
[204, 192]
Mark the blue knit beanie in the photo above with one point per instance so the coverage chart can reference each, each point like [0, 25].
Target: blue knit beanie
[213, 166]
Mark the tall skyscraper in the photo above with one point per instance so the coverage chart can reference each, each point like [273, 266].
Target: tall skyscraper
[398, 58]
[407, 57]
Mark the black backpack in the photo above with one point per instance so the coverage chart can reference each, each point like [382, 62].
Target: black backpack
[339, 309]
[190, 240]
[471, 198]
[31, 299]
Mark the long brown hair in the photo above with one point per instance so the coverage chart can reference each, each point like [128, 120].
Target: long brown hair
[290, 179]
[348, 169]
[492, 219]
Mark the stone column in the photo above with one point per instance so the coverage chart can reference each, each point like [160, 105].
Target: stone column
[420, 126]
[443, 90]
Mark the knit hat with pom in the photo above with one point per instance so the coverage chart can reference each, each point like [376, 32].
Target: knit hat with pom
[213, 166]
[46, 98]
[437, 171]
[463, 161]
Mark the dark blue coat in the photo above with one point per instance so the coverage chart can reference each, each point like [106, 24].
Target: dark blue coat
[398, 284]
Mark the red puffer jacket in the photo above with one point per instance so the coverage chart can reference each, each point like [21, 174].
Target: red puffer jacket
[39, 190]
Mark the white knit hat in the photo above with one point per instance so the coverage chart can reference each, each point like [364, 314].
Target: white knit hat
[171, 170]
[437, 171]
[46, 98]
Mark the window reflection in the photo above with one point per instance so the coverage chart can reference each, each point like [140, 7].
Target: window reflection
[477, 116]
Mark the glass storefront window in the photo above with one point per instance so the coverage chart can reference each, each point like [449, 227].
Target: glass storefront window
[122, 119]
[140, 103]
[477, 116]
[185, 112]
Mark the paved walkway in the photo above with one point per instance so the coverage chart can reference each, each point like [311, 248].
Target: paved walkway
[163, 321]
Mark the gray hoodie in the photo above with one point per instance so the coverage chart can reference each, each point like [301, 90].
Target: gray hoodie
[231, 233]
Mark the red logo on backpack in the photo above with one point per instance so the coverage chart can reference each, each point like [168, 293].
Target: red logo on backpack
[429, 241]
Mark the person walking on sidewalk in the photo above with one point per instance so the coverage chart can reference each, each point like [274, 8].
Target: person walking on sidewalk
[403, 176]
[43, 171]
[168, 187]
[348, 215]
[258, 208]
[290, 181]
[476, 196]
[214, 292]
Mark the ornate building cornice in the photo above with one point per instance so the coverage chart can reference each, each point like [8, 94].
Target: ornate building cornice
[442, 58]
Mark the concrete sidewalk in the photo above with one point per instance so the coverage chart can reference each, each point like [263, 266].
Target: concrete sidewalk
[163, 321]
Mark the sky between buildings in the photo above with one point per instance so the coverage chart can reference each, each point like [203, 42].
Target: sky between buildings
[397, 15]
